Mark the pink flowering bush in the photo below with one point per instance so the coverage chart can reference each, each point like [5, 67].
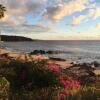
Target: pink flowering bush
[46, 80]
[2, 58]
[69, 85]
[69, 82]
[54, 67]
[37, 57]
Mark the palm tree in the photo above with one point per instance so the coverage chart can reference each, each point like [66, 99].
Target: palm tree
[2, 10]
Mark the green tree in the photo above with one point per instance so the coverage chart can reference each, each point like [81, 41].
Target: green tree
[2, 10]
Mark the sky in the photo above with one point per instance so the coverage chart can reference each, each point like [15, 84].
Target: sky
[52, 19]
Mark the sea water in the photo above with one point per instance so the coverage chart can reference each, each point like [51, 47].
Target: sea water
[85, 51]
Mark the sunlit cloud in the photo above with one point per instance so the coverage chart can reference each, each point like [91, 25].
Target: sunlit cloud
[78, 20]
[24, 16]
[98, 25]
[17, 12]
[94, 13]
[57, 12]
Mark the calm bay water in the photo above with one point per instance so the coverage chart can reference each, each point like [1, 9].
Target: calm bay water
[76, 50]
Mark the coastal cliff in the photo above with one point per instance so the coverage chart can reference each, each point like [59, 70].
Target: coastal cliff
[14, 38]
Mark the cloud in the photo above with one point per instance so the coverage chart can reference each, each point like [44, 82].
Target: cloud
[24, 29]
[57, 12]
[97, 12]
[77, 20]
[15, 20]
[53, 10]
[98, 25]
[17, 12]
[94, 13]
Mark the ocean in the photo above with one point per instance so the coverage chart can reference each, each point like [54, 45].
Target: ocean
[82, 51]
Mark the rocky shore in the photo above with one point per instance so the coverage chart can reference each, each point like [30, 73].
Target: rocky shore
[80, 69]
[46, 52]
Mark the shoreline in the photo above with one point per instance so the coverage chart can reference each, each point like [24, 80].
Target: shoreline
[63, 63]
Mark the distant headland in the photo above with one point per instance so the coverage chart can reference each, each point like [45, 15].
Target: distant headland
[15, 38]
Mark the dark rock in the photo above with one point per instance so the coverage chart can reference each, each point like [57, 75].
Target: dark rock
[45, 52]
[38, 52]
[42, 52]
[96, 64]
[57, 59]
[53, 52]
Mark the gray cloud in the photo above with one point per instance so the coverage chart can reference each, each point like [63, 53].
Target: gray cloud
[15, 19]
[17, 11]
[60, 10]
[24, 29]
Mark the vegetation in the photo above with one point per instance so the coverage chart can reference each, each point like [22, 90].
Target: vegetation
[33, 80]
[15, 38]
[2, 10]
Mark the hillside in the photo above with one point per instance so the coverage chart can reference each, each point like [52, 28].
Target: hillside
[14, 38]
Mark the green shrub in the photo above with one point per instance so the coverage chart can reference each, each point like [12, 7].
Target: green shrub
[41, 80]
[4, 88]
[30, 74]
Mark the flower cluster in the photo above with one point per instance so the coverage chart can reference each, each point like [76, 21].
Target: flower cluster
[2, 58]
[70, 86]
[37, 57]
[54, 67]
[69, 82]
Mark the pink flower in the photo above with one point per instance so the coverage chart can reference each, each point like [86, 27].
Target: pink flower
[69, 83]
[37, 57]
[64, 82]
[54, 67]
[2, 57]
[76, 83]
[63, 94]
